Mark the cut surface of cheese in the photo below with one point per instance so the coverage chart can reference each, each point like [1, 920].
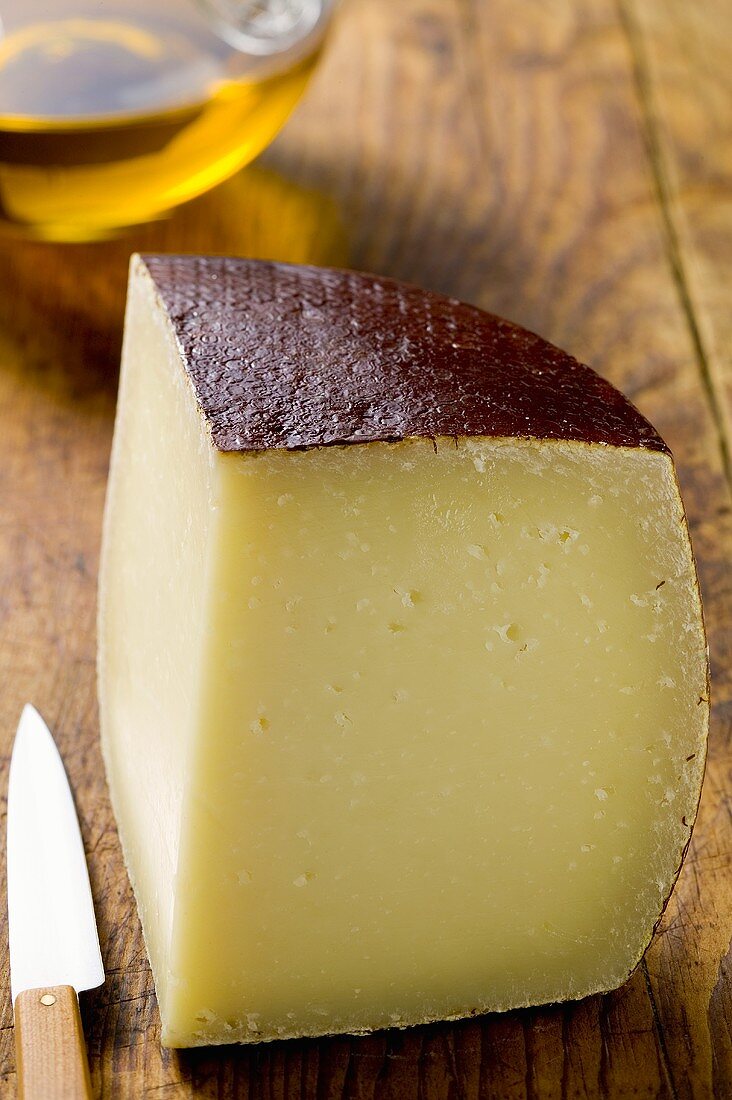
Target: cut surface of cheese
[403, 698]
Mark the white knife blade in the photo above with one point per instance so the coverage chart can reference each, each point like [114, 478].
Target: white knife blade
[52, 927]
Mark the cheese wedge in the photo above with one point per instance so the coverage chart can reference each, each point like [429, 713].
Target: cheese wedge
[402, 671]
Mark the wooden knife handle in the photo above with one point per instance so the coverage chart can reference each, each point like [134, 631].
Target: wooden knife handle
[49, 1045]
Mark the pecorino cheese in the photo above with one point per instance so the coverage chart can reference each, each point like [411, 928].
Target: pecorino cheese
[402, 671]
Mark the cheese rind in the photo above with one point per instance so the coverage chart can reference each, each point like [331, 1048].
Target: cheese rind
[415, 729]
[285, 357]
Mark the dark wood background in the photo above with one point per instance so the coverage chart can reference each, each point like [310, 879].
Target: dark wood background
[567, 163]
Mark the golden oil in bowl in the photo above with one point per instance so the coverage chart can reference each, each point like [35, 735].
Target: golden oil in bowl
[112, 114]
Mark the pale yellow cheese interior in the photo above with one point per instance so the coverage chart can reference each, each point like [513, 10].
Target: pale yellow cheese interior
[393, 733]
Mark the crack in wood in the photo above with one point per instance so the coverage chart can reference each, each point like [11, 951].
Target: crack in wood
[660, 1034]
[651, 127]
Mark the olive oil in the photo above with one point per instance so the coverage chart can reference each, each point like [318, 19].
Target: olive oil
[113, 115]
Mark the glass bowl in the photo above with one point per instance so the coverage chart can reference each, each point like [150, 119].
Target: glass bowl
[113, 113]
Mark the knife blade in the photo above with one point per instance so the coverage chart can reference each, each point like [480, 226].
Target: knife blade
[54, 945]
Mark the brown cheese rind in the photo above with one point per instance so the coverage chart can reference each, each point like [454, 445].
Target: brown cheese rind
[294, 357]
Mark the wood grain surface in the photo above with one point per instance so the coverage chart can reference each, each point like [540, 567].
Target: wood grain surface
[567, 163]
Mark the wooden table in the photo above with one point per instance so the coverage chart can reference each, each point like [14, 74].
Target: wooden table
[567, 163]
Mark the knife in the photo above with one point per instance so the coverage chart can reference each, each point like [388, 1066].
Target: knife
[54, 945]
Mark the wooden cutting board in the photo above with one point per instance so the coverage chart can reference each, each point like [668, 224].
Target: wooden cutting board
[567, 163]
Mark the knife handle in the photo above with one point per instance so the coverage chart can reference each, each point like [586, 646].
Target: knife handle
[49, 1045]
